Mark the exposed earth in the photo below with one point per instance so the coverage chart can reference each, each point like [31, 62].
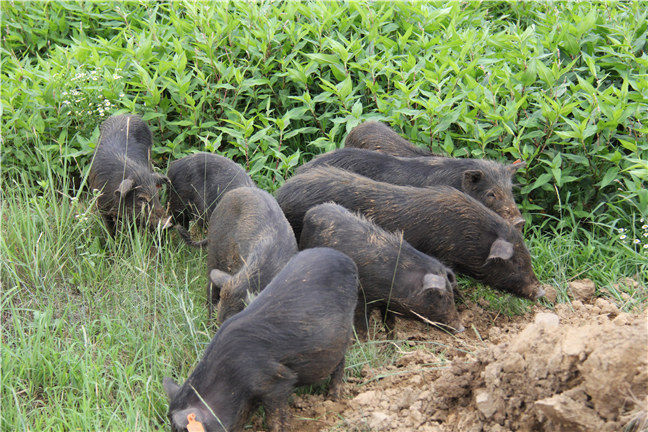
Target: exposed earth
[581, 366]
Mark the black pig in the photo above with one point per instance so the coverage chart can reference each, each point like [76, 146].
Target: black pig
[439, 221]
[198, 182]
[295, 332]
[248, 242]
[373, 135]
[487, 181]
[121, 170]
[394, 276]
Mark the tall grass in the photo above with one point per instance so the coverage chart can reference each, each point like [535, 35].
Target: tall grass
[91, 324]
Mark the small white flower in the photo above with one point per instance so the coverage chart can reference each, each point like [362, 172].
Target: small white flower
[620, 230]
[645, 234]
[645, 246]
[121, 95]
[644, 227]
[622, 237]
[636, 241]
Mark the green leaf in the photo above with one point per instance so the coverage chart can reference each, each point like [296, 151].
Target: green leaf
[609, 176]
[628, 144]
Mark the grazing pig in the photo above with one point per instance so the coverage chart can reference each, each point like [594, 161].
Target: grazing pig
[394, 276]
[295, 332]
[121, 170]
[373, 135]
[487, 181]
[248, 242]
[440, 221]
[198, 182]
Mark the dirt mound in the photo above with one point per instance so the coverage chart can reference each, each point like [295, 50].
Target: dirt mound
[550, 376]
[582, 366]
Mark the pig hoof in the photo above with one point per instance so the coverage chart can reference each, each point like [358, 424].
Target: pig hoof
[457, 330]
[539, 294]
[335, 394]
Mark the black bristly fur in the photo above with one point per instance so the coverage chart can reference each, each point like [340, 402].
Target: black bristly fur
[123, 153]
[377, 136]
[487, 181]
[198, 182]
[391, 271]
[441, 221]
[250, 238]
[295, 332]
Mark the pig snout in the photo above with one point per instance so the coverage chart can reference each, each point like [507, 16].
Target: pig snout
[513, 216]
[165, 223]
[540, 292]
[457, 327]
[159, 219]
[518, 223]
[533, 291]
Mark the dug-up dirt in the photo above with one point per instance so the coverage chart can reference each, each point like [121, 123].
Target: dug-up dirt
[578, 367]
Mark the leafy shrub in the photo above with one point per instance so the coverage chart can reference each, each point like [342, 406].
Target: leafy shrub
[563, 86]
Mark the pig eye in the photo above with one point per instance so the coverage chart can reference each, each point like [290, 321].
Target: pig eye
[490, 195]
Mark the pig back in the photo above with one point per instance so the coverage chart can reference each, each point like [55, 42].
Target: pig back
[241, 219]
[201, 180]
[377, 136]
[128, 135]
[303, 318]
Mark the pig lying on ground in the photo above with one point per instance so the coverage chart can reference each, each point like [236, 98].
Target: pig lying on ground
[248, 242]
[295, 332]
[394, 276]
[439, 221]
[377, 136]
[487, 181]
[121, 170]
[198, 182]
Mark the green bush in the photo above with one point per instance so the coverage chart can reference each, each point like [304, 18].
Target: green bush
[563, 86]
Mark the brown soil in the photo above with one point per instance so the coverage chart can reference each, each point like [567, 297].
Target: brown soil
[580, 367]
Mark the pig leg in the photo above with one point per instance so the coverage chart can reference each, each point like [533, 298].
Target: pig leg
[360, 321]
[278, 388]
[275, 416]
[110, 224]
[335, 386]
[182, 218]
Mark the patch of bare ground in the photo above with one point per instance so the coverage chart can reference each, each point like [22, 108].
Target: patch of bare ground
[580, 367]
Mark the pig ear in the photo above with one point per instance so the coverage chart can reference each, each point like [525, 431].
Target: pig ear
[432, 281]
[515, 166]
[170, 387]
[500, 249]
[219, 277]
[124, 187]
[471, 178]
[451, 277]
